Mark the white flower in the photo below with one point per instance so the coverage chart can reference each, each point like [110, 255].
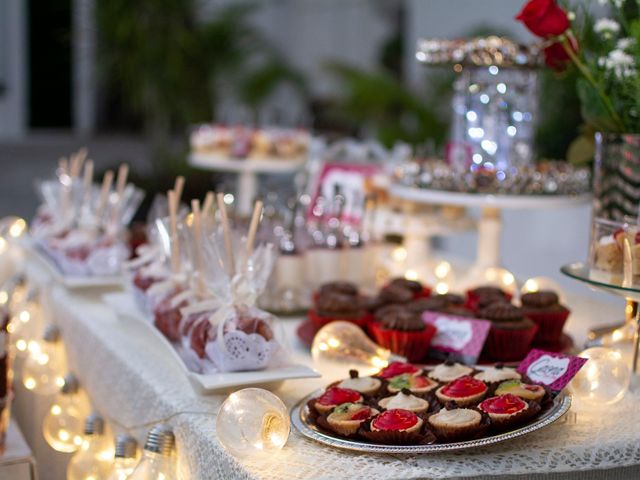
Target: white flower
[625, 43]
[620, 63]
[606, 25]
[603, 2]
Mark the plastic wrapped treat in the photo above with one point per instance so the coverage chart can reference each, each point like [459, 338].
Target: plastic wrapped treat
[237, 336]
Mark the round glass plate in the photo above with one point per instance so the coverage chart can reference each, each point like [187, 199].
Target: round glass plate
[581, 271]
[300, 420]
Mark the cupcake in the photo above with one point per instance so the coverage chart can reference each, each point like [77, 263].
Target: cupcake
[398, 368]
[456, 424]
[497, 374]
[364, 385]
[347, 418]
[464, 391]
[522, 390]
[508, 410]
[403, 332]
[416, 288]
[334, 305]
[345, 288]
[449, 371]
[335, 396]
[544, 309]
[397, 427]
[405, 400]
[414, 383]
[511, 334]
[395, 294]
[482, 297]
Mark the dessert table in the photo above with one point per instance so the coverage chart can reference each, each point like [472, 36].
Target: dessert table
[133, 384]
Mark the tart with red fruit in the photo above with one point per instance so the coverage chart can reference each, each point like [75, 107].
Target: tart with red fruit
[347, 418]
[456, 424]
[335, 396]
[464, 391]
[397, 427]
[507, 410]
[364, 385]
[398, 368]
[414, 383]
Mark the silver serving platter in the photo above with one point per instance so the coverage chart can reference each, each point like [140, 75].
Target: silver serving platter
[299, 418]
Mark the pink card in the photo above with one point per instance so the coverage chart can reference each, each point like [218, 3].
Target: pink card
[459, 338]
[554, 370]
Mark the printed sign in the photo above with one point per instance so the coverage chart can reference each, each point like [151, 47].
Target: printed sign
[459, 338]
[554, 370]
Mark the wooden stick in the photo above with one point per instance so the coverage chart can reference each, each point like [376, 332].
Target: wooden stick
[107, 180]
[253, 228]
[178, 187]
[63, 165]
[226, 229]
[121, 182]
[88, 174]
[207, 206]
[79, 159]
[197, 233]
[173, 222]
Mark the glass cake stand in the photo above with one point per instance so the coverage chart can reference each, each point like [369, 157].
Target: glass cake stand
[629, 330]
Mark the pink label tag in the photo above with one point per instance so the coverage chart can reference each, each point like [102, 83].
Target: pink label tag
[460, 338]
[554, 370]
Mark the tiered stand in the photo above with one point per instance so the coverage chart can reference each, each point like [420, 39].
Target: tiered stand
[630, 330]
[247, 170]
[490, 223]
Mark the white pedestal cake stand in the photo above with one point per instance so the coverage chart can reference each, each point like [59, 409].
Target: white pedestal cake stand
[248, 170]
[490, 223]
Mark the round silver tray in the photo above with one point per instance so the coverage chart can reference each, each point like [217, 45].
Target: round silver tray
[299, 418]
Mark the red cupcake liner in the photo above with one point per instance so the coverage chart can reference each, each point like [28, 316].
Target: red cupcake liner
[550, 324]
[425, 293]
[412, 345]
[507, 344]
[320, 321]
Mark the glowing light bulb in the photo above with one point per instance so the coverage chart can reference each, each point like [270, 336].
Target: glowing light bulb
[94, 458]
[253, 422]
[12, 227]
[158, 457]
[125, 458]
[442, 269]
[399, 254]
[411, 275]
[3, 245]
[603, 380]
[43, 370]
[342, 343]
[62, 427]
[500, 277]
[535, 284]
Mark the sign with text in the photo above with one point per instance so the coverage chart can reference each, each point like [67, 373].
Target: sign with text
[553, 370]
[458, 338]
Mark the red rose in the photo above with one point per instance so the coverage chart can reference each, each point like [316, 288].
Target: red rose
[544, 18]
[556, 57]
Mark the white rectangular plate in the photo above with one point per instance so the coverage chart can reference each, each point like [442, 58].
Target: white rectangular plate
[124, 305]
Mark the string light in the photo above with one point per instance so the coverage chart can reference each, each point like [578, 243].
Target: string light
[63, 424]
[158, 458]
[43, 370]
[604, 379]
[125, 457]
[253, 422]
[93, 461]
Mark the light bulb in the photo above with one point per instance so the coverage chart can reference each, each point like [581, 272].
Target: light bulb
[603, 380]
[93, 461]
[24, 327]
[12, 227]
[341, 344]
[125, 458]
[158, 457]
[62, 426]
[43, 370]
[500, 277]
[253, 422]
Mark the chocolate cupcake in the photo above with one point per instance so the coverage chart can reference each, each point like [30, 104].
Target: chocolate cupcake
[344, 288]
[403, 332]
[453, 424]
[413, 286]
[482, 297]
[545, 310]
[430, 304]
[511, 334]
[333, 305]
[395, 294]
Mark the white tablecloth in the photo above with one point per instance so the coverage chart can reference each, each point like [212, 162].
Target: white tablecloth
[131, 381]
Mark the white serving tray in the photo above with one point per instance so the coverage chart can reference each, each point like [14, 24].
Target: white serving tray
[125, 306]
